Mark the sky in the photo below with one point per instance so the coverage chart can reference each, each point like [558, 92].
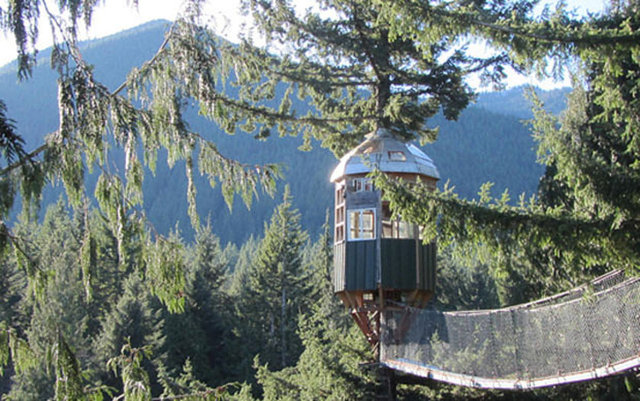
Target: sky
[116, 15]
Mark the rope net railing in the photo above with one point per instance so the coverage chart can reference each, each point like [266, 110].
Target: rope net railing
[589, 332]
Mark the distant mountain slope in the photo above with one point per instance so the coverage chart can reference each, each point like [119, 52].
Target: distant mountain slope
[484, 146]
[113, 58]
[513, 103]
[487, 143]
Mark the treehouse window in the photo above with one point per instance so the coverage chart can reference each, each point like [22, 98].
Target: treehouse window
[360, 184]
[393, 227]
[397, 156]
[339, 213]
[362, 224]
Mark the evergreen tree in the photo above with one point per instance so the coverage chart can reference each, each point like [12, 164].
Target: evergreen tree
[586, 222]
[276, 291]
[55, 337]
[328, 368]
[11, 144]
[355, 72]
[461, 285]
[12, 313]
[324, 303]
[12, 294]
[94, 121]
[200, 335]
[333, 363]
[134, 323]
[244, 261]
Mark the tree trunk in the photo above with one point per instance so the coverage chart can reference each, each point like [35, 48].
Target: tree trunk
[283, 337]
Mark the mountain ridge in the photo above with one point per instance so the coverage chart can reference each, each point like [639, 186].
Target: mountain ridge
[488, 142]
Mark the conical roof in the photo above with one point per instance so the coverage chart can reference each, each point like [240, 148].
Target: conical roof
[382, 150]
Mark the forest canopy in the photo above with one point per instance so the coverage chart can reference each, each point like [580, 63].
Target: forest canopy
[96, 304]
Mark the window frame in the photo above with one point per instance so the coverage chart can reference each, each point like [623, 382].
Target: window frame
[396, 228]
[360, 230]
[397, 156]
[360, 184]
[340, 213]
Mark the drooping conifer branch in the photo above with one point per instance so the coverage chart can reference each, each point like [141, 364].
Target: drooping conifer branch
[576, 32]
[509, 230]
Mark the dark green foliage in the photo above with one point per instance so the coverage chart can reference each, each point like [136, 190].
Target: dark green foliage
[592, 150]
[11, 144]
[12, 284]
[134, 322]
[464, 287]
[328, 368]
[586, 220]
[354, 72]
[93, 120]
[275, 291]
[244, 262]
[53, 337]
[478, 147]
[198, 336]
[129, 366]
[320, 262]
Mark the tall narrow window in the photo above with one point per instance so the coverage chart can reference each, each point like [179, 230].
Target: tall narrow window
[339, 213]
[362, 224]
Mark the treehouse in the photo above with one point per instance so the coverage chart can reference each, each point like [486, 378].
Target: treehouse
[377, 256]
[382, 266]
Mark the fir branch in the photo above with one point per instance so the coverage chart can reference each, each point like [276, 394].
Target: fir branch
[69, 41]
[199, 395]
[153, 59]
[270, 114]
[569, 32]
[268, 16]
[504, 228]
[330, 81]
[29, 157]
[382, 89]
[542, 33]
[15, 241]
[337, 75]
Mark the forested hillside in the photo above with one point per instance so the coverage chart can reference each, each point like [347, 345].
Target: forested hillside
[489, 142]
[120, 286]
[512, 103]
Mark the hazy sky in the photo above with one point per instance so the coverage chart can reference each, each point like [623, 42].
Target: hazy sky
[118, 15]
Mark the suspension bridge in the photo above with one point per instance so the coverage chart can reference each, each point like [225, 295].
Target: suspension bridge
[587, 333]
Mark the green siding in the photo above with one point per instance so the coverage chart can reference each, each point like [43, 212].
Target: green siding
[339, 266]
[355, 265]
[399, 268]
[360, 266]
[398, 263]
[428, 266]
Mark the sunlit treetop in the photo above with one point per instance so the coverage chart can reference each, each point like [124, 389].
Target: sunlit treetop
[344, 60]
